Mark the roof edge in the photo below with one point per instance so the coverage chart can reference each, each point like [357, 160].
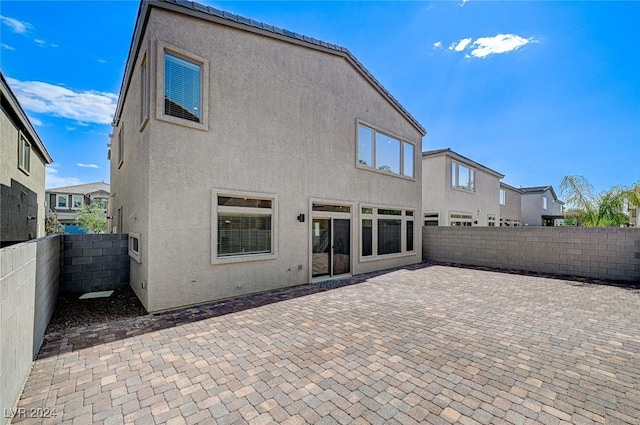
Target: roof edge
[461, 158]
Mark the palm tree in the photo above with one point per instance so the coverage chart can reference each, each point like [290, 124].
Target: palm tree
[592, 209]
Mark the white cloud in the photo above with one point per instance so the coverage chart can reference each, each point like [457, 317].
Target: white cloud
[102, 60]
[40, 42]
[69, 128]
[16, 25]
[460, 45]
[52, 179]
[82, 106]
[80, 164]
[501, 43]
[437, 45]
[36, 122]
[463, 3]
[485, 46]
[6, 46]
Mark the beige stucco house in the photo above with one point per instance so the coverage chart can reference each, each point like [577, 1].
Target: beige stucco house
[541, 206]
[23, 158]
[510, 206]
[65, 201]
[245, 157]
[457, 191]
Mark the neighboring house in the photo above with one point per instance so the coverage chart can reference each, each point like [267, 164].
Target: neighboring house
[245, 158]
[65, 201]
[541, 207]
[510, 206]
[457, 191]
[23, 158]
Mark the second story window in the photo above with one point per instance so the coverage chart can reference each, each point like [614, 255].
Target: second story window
[78, 200]
[62, 201]
[544, 203]
[463, 177]
[144, 91]
[385, 153]
[24, 154]
[121, 147]
[503, 197]
[182, 88]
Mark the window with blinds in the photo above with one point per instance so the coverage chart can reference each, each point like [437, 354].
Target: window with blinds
[182, 88]
[24, 154]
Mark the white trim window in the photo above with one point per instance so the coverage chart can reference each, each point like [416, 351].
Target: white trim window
[503, 197]
[134, 247]
[386, 231]
[463, 177]
[382, 152]
[62, 201]
[144, 91]
[76, 201]
[460, 219]
[121, 146]
[183, 87]
[244, 226]
[545, 203]
[24, 154]
[431, 219]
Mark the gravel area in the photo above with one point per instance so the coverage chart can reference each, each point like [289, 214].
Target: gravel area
[72, 312]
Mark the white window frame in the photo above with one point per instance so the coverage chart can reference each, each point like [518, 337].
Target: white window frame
[431, 216]
[164, 48]
[133, 253]
[455, 177]
[121, 146]
[468, 218]
[24, 154]
[545, 203]
[374, 167]
[73, 201]
[66, 197]
[374, 216]
[216, 209]
[145, 100]
[503, 197]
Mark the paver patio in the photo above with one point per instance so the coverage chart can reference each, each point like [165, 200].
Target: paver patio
[424, 344]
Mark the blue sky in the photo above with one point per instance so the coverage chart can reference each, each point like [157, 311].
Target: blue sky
[534, 90]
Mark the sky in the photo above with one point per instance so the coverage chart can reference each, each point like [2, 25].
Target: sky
[533, 90]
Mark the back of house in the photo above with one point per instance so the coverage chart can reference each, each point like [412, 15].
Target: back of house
[246, 157]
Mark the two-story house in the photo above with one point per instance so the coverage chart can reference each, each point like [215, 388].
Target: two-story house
[65, 201]
[541, 206]
[246, 157]
[510, 206]
[23, 158]
[457, 191]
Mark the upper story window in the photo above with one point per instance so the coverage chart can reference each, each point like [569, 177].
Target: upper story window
[77, 201]
[183, 87]
[121, 146]
[62, 201]
[544, 203]
[144, 92]
[463, 177]
[385, 153]
[503, 197]
[24, 154]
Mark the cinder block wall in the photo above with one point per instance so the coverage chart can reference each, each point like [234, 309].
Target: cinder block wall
[95, 263]
[602, 253]
[48, 262]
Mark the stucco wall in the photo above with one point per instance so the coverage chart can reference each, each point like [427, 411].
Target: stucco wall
[281, 119]
[9, 167]
[439, 195]
[532, 211]
[513, 208]
[606, 253]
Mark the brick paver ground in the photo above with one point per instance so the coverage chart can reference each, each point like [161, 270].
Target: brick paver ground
[426, 344]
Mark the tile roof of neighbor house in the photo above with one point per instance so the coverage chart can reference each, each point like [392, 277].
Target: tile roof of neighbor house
[463, 158]
[508, 186]
[222, 17]
[83, 189]
[17, 109]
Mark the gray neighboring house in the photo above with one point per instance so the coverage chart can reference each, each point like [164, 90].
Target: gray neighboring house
[510, 206]
[65, 201]
[245, 157]
[541, 206]
[23, 158]
[457, 191]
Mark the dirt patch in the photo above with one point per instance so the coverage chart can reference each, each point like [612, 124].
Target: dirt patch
[72, 312]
